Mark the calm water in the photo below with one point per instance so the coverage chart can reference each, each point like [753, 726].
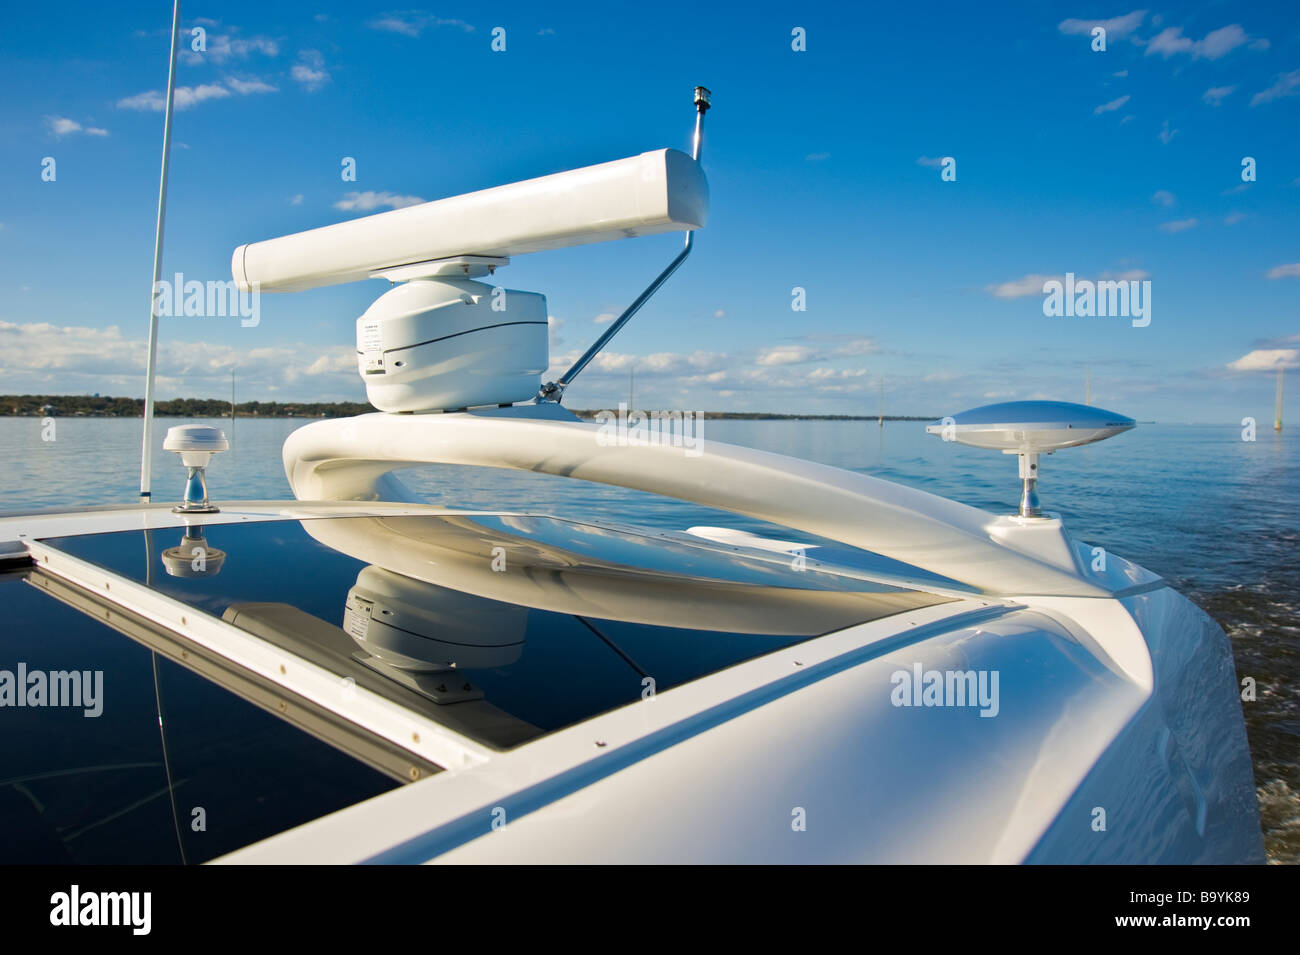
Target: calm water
[1216, 516]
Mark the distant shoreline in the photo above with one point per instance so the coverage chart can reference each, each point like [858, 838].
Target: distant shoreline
[96, 406]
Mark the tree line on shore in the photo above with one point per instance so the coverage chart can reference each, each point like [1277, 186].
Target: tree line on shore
[106, 406]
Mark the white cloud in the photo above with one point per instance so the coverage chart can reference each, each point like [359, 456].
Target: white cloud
[1163, 197]
[68, 358]
[414, 22]
[365, 201]
[1217, 94]
[338, 363]
[817, 157]
[1288, 84]
[1180, 225]
[185, 97]
[1166, 134]
[1112, 105]
[934, 162]
[1171, 42]
[1291, 271]
[1232, 218]
[787, 355]
[1031, 284]
[296, 200]
[245, 87]
[310, 71]
[858, 346]
[831, 374]
[223, 47]
[189, 96]
[1116, 27]
[604, 318]
[1266, 359]
[719, 313]
[722, 375]
[61, 126]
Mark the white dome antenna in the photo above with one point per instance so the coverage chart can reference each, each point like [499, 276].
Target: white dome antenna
[1028, 429]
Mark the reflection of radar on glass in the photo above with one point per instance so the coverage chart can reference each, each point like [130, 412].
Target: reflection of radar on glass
[419, 634]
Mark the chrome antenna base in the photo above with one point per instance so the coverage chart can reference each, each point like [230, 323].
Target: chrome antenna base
[1029, 504]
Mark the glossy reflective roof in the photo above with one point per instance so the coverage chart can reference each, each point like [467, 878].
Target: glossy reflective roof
[497, 628]
[550, 622]
[155, 764]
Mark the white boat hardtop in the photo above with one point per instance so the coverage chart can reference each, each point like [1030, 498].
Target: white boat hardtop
[362, 676]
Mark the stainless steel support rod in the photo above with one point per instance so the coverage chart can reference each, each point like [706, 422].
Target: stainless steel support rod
[146, 451]
[567, 378]
[554, 391]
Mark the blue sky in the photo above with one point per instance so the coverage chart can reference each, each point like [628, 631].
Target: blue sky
[821, 166]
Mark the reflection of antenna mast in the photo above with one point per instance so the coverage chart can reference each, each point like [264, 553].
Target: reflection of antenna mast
[1277, 414]
[882, 402]
[1087, 387]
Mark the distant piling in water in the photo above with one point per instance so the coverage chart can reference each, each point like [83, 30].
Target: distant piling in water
[1277, 414]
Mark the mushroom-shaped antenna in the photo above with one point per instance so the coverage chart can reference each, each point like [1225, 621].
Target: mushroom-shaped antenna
[195, 443]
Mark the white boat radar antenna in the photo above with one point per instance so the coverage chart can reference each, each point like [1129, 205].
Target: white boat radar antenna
[441, 341]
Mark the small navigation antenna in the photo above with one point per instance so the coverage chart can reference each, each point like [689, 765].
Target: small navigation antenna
[195, 443]
[1028, 429]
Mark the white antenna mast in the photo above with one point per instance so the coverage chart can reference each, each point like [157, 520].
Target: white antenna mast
[146, 453]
